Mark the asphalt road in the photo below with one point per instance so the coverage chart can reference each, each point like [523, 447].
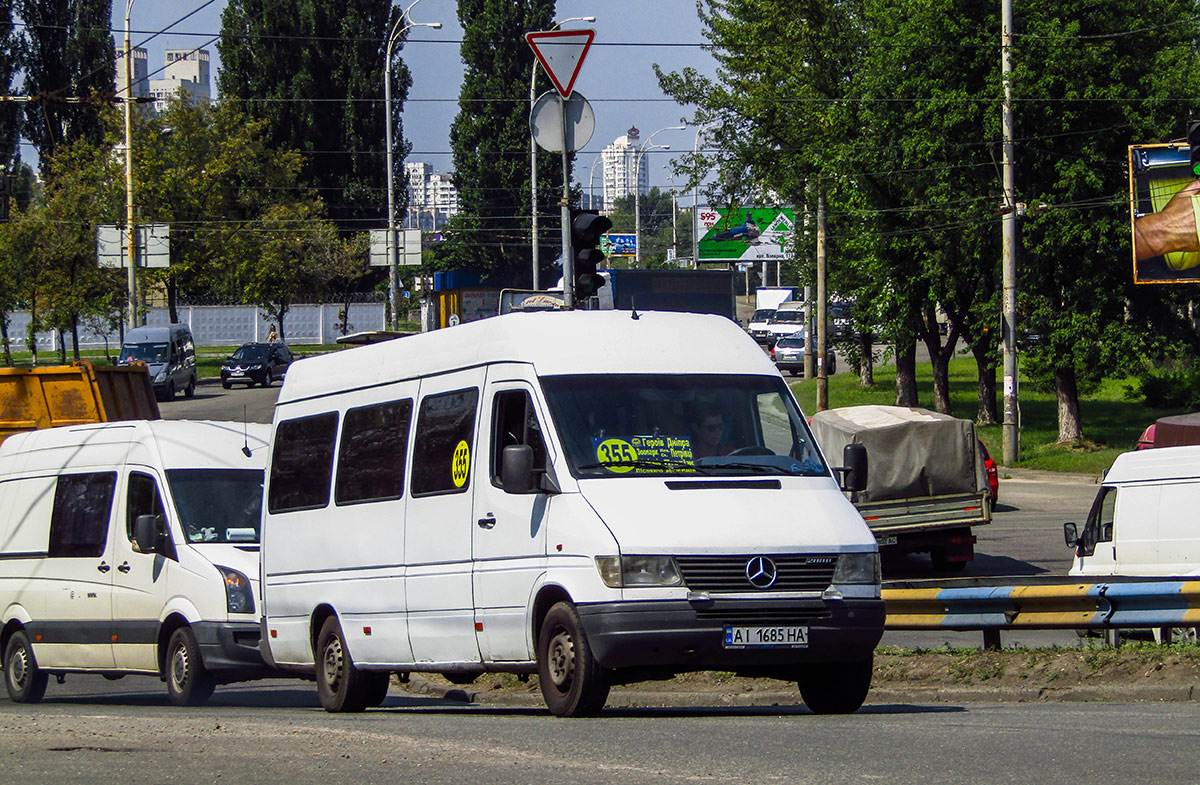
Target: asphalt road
[275, 733]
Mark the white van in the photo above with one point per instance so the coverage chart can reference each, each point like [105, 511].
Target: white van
[1143, 520]
[169, 354]
[131, 547]
[583, 495]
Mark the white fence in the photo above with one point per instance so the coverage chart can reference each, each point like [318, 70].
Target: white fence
[223, 325]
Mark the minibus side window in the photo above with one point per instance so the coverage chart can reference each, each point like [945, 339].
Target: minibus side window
[514, 422]
[443, 443]
[373, 448]
[142, 498]
[302, 463]
[82, 507]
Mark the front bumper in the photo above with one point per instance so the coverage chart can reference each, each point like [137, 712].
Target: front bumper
[246, 377]
[683, 635]
[230, 649]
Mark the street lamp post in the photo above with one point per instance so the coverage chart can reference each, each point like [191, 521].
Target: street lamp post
[646, 147]
[591, 183]
[402, 26]
[130, 228]
[533, 178]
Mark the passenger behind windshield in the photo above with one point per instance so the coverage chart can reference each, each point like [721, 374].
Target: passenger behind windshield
[218, 505]
[654, 424]
[148, 353]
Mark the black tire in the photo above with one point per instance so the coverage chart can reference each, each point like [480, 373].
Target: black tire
[341, 686]
[188, 682]
[190, 390]
[227, 385]
[268, 380]
[572, 681]
[169, 395]
[25, 681]
[937, 558]
[835, 687]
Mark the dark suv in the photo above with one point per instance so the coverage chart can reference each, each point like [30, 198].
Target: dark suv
[256, 363]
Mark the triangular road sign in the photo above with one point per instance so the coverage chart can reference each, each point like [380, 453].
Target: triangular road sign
[561, 53]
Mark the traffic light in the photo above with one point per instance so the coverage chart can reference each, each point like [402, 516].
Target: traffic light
[586, 228]
[1193, 140]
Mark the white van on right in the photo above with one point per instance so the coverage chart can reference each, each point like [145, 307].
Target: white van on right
[1143, 521]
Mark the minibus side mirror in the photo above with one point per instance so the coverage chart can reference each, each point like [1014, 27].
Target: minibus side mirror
[1071, 535]
[854, 473]
[516, 469]
[145, 533]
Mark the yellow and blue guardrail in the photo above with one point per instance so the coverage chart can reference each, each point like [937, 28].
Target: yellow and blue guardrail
[1114, 603]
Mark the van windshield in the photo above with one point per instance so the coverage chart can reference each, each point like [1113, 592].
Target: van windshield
[789, 317]
[145, 352]
[655, 424]
[218, 505]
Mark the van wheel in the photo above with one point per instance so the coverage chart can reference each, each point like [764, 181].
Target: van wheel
[268, 380]
[835, 687]
[190, 390]
[169, 394]
[188, 682]
[25, 681]
[340, 684]
[572, 682]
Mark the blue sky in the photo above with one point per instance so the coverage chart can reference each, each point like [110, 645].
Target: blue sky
[617, 75]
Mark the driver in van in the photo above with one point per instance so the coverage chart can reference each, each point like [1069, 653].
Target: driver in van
[708, 431]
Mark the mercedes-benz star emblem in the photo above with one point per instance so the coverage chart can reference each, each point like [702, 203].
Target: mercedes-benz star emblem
[761, 572]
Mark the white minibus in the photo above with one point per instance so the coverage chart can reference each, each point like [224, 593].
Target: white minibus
[596, 497]
[131, 548]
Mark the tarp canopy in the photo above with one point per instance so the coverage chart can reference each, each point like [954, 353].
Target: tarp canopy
[910, 452]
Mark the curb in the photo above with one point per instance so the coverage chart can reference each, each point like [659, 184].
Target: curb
[882, 695]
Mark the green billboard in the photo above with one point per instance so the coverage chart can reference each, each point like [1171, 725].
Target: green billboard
[744, 234]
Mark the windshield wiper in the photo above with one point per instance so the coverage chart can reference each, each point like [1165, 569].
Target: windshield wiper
[642, 463]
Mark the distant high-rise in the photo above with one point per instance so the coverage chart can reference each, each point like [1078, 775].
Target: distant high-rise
[432, 197]
[185, 69]
[141, 88]
[621, 175]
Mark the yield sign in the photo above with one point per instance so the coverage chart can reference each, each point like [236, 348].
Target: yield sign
[561, 53]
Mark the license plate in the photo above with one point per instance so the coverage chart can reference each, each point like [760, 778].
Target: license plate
[889, 540]
[765, 637]
[235, 373]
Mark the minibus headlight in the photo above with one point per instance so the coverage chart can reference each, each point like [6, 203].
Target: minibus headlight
[857, 568]
[161, 376]
[629, 571]
[238, 596]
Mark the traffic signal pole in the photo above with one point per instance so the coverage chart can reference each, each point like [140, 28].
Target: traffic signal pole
[568, 258]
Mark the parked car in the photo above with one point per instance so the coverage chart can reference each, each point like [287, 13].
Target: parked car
[788, 355]
[256, 363]
[1146, 440]
[993, 476]
[759, 325]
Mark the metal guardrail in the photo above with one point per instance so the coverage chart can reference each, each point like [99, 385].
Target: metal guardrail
[1112, 604]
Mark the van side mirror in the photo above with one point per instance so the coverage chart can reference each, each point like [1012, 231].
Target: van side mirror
[516, 469]
[1071, 535]
[854, 472]
[145, 533]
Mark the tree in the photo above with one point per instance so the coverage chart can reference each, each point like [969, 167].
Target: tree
[68, 54]
[490, 142]
[659, 218]
[313, 71]
[10, 127]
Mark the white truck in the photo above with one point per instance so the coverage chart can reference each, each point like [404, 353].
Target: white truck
[928, 486]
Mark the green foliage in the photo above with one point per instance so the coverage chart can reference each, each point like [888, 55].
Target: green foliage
[663, 225]
[313, 71]
[490, 142]
[67, 54]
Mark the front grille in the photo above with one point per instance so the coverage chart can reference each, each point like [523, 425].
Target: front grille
[728, 573]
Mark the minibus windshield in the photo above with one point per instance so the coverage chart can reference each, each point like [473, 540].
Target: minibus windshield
[218, 505]
[145, 352]
[617, 425]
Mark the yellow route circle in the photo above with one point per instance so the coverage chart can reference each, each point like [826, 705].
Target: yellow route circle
[616, 451]
[461, 465]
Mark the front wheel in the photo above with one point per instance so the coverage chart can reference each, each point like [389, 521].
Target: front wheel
[190, 390]
[572, 682]
[268, 380]
[25, 681]
[836, 687]
[340, 685]
[188, 682]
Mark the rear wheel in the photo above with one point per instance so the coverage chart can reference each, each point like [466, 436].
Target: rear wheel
[25, 681]
[835, 687]
[572, 682]
[188, 682]
[340, 685]
[190, 390]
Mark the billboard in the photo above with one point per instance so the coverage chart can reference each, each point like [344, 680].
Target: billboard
[1164, 214]
[744, 234]
[613, 244]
